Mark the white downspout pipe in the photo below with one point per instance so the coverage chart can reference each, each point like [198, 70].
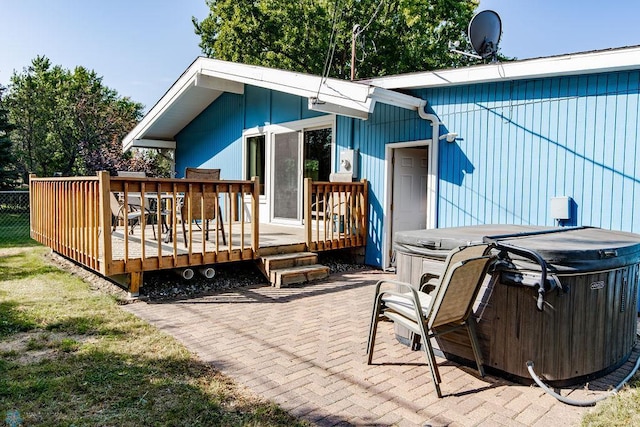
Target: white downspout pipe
[432, 220]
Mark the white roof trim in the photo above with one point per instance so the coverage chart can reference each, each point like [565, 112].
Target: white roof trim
[346, 93]
[328, 107]
[186, 81]
[579, 63]
[355, 99]
[154, 143]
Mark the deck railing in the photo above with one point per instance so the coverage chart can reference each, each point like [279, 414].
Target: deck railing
[74, 217]
[178, 223]
[67, 217]
[336, 214]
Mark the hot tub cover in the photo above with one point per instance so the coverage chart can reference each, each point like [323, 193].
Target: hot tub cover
[577, 249]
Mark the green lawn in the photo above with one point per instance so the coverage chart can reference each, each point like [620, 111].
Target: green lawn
[71, 356]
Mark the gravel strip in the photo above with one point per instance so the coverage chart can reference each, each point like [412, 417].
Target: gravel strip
[168, 285]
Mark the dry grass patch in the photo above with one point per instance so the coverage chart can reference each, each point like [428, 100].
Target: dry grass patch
[70, 356]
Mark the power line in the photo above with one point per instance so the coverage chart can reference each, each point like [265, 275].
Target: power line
[357, 31]
[332, 47]
[372, 18]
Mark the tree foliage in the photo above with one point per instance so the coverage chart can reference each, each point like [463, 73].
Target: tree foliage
[8, 173]
[67, 122]
[397, 36]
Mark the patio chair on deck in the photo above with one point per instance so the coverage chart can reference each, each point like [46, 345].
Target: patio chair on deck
[137, 204]
[448, 307]
[129, 212]
[195, 204]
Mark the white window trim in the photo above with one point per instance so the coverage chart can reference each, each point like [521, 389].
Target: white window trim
[246, 135]
[268, 130]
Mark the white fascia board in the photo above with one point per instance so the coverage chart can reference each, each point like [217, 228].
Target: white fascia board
[231, 77]
[580, 63]
[153, 143]
[327, 107]
[220, 85]
[186, 81]
[397, 99]
[344, 97]
[348, 94]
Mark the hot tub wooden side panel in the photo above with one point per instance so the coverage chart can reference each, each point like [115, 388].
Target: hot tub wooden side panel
[582, 333]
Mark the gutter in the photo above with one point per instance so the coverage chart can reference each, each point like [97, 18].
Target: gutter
[435, 138]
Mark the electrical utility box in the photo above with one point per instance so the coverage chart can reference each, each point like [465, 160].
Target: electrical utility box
[561, 208]
[349, 162]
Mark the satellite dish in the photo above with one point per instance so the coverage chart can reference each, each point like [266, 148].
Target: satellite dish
[484, 33]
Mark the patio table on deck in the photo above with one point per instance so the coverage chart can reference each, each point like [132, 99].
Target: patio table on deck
[165, 209]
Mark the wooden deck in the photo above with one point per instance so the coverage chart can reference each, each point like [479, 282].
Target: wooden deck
[270, 236]
[74, 216]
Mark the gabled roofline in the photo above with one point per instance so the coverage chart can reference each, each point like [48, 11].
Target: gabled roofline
[618, 59]
[355, 99]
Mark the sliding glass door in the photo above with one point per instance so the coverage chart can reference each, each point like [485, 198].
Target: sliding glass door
[295, 154]
[287, 177]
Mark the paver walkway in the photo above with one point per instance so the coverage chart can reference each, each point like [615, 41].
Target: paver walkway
[304, 348]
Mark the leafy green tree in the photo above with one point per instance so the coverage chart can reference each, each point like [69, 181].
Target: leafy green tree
[8, 173]
[394, 36]
[68, 122]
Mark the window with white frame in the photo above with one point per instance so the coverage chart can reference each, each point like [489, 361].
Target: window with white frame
[256, 155]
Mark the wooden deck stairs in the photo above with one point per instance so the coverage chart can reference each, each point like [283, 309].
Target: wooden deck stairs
[290, 264]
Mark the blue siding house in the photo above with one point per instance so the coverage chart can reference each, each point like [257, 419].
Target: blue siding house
[548, 141]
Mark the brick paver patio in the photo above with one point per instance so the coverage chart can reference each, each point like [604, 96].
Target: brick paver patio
[304, 348]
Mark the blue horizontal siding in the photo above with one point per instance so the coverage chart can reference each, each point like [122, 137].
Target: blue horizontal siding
[265, 106]
[522, 143]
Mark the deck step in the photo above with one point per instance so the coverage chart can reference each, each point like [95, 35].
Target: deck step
[282, 249]
[287, 260]
[299, 274]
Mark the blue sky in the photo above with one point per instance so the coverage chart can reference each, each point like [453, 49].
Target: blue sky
[141, 47]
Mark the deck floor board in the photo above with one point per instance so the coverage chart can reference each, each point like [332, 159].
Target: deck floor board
[271, 235]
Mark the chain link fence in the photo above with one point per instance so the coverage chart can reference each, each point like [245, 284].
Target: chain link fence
[14, 218]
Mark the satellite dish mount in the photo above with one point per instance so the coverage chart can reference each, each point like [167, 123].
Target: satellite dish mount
[484, 32]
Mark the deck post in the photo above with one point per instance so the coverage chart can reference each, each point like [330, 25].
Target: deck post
[32, 176]
[105, 221]
[364, 215]
[135, 281]
[255, 216]
[307, 211]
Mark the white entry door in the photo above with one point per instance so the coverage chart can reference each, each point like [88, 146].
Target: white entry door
[409, 196]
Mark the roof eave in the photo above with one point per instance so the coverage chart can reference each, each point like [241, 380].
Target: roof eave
[572, 64]
[350, 98]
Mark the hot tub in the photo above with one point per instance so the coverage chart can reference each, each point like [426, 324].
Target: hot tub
[582, 327]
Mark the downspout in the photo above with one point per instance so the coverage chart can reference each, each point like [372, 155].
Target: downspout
[435, 138]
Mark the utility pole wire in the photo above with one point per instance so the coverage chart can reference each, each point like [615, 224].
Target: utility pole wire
[357, 30]
[332, 48]
[372, 18]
